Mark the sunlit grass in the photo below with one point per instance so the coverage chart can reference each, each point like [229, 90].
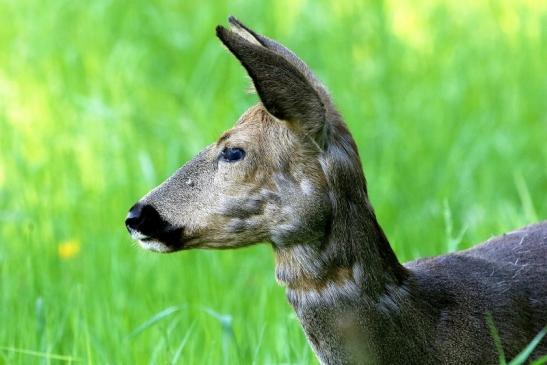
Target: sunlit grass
[100, 102]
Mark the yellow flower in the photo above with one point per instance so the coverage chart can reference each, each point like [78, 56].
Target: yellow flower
[68, 249]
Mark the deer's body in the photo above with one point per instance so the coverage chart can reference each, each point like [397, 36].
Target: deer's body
[289, 173]
[436, 313]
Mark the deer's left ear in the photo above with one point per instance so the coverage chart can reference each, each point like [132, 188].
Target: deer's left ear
[284, 90]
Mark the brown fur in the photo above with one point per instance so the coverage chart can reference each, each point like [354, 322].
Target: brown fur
[301, 188]
[304, 282]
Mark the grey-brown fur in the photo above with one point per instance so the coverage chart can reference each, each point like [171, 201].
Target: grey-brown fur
[301, 187]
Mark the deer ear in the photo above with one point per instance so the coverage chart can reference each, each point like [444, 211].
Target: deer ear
[277, 47]
[285, 91]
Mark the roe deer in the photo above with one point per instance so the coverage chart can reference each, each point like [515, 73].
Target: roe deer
[289, 173]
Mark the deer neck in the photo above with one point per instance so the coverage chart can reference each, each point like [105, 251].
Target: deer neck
[353, 248]
[354, 254]
[346, 290]
[350, 292]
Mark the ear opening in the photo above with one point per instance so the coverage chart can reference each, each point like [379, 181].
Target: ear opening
[283, 88]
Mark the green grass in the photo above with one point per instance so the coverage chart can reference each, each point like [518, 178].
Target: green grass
[100, 101]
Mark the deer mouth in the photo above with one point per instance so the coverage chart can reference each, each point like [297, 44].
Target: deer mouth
[167, 241]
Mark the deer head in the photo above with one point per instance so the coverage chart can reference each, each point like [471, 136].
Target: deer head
[268, 179]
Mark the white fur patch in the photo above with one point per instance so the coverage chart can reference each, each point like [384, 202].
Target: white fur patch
[153, 245]
[136, 235]
[307, 187]
[331, 294]
[148, 244]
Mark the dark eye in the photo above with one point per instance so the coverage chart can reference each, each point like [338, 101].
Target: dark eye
[232, 154]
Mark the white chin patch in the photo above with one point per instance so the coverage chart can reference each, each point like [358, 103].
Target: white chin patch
[153, 245]
[136, 235]
[147, 243]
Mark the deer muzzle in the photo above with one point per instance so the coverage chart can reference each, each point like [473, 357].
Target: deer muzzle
[146, 226]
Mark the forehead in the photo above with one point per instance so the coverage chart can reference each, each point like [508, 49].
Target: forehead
[255, 125]
[256, 114]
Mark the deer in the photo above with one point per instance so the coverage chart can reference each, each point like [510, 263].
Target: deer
[289, 174]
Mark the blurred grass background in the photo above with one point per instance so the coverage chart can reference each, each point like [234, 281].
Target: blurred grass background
[100, 101]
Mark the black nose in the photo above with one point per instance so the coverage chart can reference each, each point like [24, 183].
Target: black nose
[145, 219]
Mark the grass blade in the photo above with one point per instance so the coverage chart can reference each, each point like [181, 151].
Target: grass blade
[153, 320]
[525, 354]
[541, 361]
[496, 337]
[177, 354]
[228, 334]
[44, 355]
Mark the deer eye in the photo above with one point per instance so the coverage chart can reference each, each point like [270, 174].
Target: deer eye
[232, 154]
